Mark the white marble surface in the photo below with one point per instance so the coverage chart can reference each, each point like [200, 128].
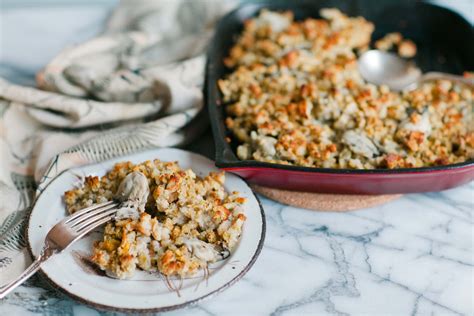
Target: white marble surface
[412, 256]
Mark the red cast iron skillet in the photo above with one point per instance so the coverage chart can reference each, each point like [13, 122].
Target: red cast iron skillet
[445, 43]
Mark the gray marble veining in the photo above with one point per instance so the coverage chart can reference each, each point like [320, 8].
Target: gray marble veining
[413, 256]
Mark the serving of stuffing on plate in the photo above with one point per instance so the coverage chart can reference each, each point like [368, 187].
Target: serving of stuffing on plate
[186, 223]
[295, 96]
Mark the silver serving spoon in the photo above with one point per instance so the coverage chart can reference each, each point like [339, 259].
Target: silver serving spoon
[379, 67]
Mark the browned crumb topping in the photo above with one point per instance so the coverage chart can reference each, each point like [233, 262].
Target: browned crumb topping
[189, 221]
[295, 96]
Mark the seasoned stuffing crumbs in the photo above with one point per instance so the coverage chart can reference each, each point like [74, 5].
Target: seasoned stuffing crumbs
[187, 222]
[295, 96]
[406, 48]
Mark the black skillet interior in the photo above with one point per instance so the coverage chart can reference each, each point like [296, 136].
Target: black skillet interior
[445, 42]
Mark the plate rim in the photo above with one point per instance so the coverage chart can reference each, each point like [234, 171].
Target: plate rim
[105, 307]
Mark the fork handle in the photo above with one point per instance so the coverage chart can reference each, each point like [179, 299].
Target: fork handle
[4, 290]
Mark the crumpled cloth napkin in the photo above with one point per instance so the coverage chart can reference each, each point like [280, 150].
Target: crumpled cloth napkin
[136, 86]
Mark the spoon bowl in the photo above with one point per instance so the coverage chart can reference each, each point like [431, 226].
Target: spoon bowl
[384, 68]
[379, 67]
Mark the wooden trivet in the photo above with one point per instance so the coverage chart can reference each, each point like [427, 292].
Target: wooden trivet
[323, 201]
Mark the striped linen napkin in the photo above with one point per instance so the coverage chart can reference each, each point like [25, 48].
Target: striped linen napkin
[134, 87]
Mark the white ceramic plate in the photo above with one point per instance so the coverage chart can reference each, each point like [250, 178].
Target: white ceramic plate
[145, 292]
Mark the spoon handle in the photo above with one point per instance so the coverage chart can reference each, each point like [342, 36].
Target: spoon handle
[441, 75]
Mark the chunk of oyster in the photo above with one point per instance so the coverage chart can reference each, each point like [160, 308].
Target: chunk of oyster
[133, 193]
[422, 125]
[205, 251]
[360, 144]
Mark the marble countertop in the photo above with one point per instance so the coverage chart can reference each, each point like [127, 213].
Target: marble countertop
[412, 256]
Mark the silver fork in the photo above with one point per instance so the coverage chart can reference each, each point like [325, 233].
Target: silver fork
[64, 234]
